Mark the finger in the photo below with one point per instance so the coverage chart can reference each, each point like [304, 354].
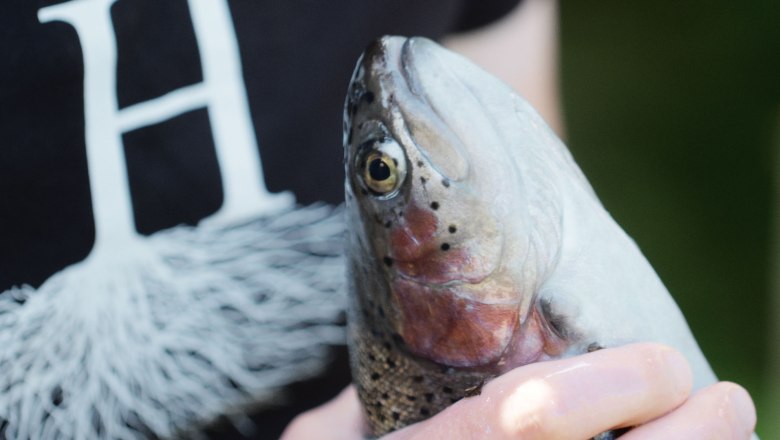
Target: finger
[574, 398]
[720, 411]
[338, 419]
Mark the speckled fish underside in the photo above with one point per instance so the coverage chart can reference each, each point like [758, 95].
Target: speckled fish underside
[475, 243]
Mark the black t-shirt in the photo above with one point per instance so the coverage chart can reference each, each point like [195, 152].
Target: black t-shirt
[93, 90]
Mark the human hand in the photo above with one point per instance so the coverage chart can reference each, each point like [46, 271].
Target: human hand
[642, 385]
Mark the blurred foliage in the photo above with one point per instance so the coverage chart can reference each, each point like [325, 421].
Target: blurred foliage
[671, 111]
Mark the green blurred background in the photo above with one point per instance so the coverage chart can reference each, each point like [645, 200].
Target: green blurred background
[673, 110]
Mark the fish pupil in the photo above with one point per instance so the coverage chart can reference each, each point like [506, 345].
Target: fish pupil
[379, 170]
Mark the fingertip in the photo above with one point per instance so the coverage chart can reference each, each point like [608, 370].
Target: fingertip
[722, 410]
[679, 370]
[340, 418]
[662, 357]
[660, 364]
[743, 405]
[345, 402]
[348, 394]
[624, 386]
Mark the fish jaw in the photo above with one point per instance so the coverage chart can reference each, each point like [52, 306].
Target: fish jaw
[450, 329]
[423, 247]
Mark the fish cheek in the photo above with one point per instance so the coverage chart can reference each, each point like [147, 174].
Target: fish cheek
[439, 325]
[409, 237]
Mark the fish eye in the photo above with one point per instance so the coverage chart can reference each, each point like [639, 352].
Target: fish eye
[383, 168]
[380, 174]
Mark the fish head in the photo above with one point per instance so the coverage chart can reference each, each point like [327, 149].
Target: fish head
[437, 214]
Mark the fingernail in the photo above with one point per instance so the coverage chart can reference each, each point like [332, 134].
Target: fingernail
[681, 370]
[744, 407]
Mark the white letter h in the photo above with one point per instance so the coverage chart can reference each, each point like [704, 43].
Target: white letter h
[221, 91]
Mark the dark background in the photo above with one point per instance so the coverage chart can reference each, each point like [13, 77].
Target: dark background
[673, 110]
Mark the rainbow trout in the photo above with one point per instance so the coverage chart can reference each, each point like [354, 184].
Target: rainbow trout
[476, 245]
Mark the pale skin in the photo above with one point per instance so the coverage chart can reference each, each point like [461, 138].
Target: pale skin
[643, 386]
[522, 50]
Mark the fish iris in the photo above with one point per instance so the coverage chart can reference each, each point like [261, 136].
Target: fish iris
[381, 173]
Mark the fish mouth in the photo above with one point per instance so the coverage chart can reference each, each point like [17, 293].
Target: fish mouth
[435, 270]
